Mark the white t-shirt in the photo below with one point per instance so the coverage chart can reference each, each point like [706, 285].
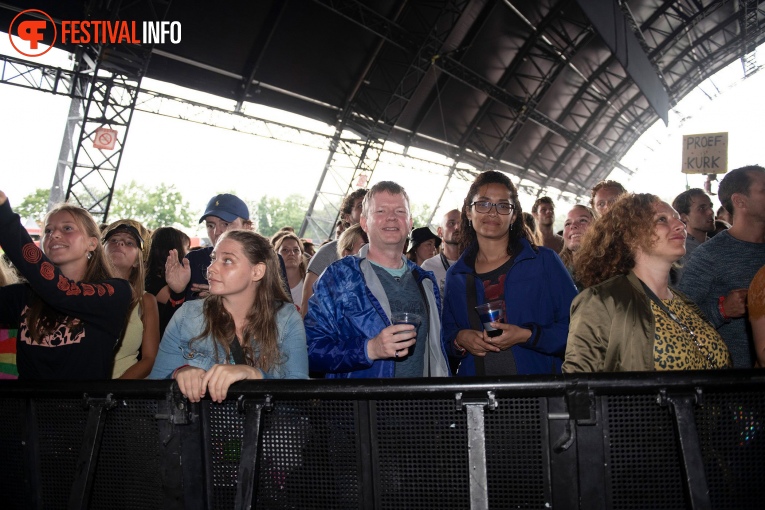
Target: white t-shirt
[436, 265]
[297, 293]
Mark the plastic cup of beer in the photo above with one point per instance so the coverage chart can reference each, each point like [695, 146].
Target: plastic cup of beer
[493, 311]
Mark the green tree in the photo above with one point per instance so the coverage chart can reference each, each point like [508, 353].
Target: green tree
[158, 206]
[34, 205]
[271, 213]
[421, 214]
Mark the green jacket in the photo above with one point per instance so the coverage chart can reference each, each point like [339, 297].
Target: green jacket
[612, 327]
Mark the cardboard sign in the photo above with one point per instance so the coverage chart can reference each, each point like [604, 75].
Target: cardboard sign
[705, 154]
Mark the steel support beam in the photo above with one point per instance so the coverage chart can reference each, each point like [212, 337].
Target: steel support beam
[113, 74]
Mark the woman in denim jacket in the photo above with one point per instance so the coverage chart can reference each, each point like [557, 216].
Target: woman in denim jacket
[247, 303]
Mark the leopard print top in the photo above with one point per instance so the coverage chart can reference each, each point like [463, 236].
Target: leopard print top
[674, 349]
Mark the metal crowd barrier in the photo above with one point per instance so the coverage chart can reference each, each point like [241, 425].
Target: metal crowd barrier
[636, 441]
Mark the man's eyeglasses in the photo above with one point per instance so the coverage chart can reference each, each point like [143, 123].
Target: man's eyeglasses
[484, 206]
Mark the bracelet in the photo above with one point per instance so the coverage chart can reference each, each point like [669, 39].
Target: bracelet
[459, 348]
[721, 308]
[175, 372]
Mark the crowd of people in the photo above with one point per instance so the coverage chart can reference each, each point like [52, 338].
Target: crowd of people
[631, 283]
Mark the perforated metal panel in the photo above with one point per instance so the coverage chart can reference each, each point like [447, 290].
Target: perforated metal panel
[128, 473]
[732, 434]
[517, 455]
[61, 426]
[642, 465]
[12, 461]
[309, 457]
[421, 455]
[225, 448]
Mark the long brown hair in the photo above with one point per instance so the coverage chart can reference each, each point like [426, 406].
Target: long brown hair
[42, 319]
[609, 245]
[290, 235]
[518, 231]
[261, 330]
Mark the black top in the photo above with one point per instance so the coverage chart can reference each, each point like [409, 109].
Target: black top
[96, 312]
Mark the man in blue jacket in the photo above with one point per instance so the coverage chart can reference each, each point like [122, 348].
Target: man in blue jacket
[348, 325]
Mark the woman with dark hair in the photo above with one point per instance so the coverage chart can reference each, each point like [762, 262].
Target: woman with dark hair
[499, 262]
[72, 309]
[124, 245]
[163, 241]
[247, 328]
[423, 245]
[628, 318]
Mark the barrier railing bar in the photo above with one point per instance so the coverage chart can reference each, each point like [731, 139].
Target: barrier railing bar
[248, 462]
[91, 445]
[368, 474]
[32, 453]
[479, 484]
[681, 409]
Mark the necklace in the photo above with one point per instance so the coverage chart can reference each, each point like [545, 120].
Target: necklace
[684, 327]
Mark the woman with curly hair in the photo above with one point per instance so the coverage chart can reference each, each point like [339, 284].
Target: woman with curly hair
[628, 318]
[72, 308]
[247, 328]
[499, 262]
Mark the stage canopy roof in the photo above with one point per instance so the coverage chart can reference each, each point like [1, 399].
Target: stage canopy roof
[554, 92]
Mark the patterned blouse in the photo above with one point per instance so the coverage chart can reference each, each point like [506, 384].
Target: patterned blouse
[697, 346]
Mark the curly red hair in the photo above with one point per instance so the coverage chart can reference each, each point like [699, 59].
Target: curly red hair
[608, 247]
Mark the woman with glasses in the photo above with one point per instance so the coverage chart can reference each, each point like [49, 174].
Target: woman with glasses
[628, 318]
[291, 250]
[499, 262]
[124, 246]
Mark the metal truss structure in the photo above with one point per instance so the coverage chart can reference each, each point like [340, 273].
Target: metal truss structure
[528, 88]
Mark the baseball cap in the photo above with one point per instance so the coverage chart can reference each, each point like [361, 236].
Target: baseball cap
[226, 207]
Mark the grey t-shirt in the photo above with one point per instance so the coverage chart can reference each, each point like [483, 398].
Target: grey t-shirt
[718, 266]
[404, 296]
[321, 260]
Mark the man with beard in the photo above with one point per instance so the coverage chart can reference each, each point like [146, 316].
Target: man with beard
[544, 212]
[448, 231]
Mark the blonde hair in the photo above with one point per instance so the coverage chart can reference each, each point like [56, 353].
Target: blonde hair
[137, 276]
[290, 235]
[42, 319]
[348, 239]
[7, 275]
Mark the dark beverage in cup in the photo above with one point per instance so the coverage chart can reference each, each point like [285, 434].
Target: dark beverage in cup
[493, 311]
[407, 318]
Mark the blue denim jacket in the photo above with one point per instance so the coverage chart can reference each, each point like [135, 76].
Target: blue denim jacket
[188, 322]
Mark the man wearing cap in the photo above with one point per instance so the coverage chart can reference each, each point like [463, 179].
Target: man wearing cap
[350, 329]
[448, 231]
[189, 280]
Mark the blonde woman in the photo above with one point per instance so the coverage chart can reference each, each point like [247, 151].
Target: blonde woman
[69, 309]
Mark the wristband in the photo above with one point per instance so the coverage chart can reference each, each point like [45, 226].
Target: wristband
[721, 308]
[459, 348]
[175, 372]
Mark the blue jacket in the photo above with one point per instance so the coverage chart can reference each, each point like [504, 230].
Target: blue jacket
[349, 307]
[188, 322]
[538, 293]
